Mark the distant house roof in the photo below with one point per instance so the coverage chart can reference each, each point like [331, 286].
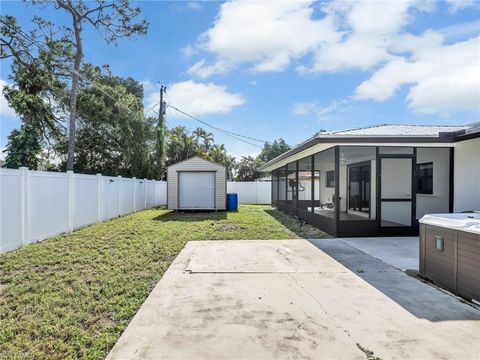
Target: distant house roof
[394, 133]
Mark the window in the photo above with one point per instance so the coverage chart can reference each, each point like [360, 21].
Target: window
[330, 179]
[425, 178]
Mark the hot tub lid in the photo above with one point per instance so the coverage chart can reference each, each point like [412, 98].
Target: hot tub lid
[469, 222]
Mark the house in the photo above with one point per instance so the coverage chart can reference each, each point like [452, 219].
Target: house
[379, 180]
[196, 184]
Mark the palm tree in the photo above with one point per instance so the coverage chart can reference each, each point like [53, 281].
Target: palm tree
[206, 137]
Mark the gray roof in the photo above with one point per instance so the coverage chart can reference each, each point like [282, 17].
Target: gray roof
[397, 130]
[388, 133]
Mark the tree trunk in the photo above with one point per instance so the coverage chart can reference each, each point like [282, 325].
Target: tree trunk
[73, 96]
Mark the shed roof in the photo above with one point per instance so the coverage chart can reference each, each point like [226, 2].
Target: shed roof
[196, 157]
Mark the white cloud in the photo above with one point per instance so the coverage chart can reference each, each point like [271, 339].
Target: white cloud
[200, 98]
[304, 108]
[322, 113]
[332, 110]
[269, 35]
[442, 78]
[266, 34]
[188, 51]
[455, 5]
[202, 70]
[194, 5]
[342, 35]
[466, 29]
[5, 109]
[370, 29]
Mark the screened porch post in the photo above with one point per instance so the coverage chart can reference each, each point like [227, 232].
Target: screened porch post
[337, 185]
[295, 204]
[312, 184]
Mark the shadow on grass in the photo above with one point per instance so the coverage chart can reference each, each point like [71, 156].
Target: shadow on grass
[188, 216]
[298, 227]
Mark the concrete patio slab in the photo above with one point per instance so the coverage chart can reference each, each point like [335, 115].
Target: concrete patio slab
[295, 308]
[279, 256]
[400, 252]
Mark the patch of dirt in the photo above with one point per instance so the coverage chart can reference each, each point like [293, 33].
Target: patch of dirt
[106, 321]
[228, 227]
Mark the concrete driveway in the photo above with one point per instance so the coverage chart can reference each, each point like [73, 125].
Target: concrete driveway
[294, 299]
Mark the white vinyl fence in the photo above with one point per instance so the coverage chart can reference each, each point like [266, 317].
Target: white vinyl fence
[251, 192]
[35, 205]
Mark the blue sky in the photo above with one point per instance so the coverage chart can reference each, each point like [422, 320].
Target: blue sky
[289, 69]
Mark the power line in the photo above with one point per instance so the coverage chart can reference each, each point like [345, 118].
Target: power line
[225, 132]
[151, 108]
[233, 135]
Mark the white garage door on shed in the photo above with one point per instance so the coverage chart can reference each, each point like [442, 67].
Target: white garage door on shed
[196, 190]
[196, 184]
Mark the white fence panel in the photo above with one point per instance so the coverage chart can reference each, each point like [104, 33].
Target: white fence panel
[35, 205]
[127, 196]
[251, 192]
[12, 206]
[139, 195]
[160, 190]
[264, 192]
[48, 204]
[109, 198]
[85, 203]
[150, 194]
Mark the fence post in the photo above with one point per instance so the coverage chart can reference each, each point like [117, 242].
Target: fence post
[119, 195]
[134, 200]
[24, 203]
[154, 193]
[99, 197]
[145, 193]
[71, 199]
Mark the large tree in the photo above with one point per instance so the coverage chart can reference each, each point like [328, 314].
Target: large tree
[112, 20]
[272, 150]
[23, 148]
[37, 87]
[247, 168]
[109, 139]
[218, 154]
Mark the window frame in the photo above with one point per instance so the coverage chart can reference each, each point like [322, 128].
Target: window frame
[419, 177]
[330, 182]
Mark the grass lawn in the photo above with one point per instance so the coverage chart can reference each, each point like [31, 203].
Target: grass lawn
[72, 296]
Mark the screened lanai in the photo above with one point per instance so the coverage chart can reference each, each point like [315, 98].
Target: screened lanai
[361, 190]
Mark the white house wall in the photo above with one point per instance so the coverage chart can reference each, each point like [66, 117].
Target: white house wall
[438, 202]
[467, 175]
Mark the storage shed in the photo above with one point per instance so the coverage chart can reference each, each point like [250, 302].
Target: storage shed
[196, 184]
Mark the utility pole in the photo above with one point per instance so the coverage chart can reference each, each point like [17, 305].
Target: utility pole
[161, 135]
